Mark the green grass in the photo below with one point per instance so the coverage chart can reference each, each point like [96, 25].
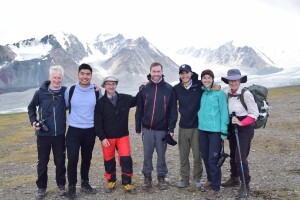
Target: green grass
[284, 91]
[19, 180]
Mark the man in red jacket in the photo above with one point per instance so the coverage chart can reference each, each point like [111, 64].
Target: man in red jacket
[111, 126]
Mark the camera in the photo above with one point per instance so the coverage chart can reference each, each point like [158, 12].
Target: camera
[42, 125]
[222, 159]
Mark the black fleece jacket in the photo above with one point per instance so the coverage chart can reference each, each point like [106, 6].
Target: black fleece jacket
[189, 102]
[156, 107]
[112, 121]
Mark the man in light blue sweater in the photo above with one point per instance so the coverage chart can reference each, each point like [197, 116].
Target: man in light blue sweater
[81, 134]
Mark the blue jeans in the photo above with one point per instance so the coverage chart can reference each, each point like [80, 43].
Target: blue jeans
[84, 140]
[210, 147]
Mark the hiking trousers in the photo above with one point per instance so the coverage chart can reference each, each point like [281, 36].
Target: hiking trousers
[210, 143]
[79, 139]
[188, 138]
[154, 140]
[245, 134]
[44, 146]
[122, 146]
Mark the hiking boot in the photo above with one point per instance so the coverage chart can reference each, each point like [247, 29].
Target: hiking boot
[147, 183]
[183, 183]
[129, 189]
[71, 194]
[242, 193]
[212, 194]
[233, 181]
[61, 190]
[86, 188]
[111, 186]
[162, 185]
[41, 193]
[198, 184]
[207, 185]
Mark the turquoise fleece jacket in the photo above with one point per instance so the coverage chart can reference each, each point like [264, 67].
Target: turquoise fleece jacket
[213, 114]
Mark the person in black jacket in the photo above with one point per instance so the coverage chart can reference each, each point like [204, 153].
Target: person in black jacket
[188, 93]
[50, 129]
[111, 126]
[156, 116]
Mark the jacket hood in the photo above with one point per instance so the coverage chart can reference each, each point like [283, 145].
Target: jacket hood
[45, 85]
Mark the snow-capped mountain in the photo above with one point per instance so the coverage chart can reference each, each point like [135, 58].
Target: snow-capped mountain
[24, 65]
[245, 58]
[33, 57]
[107, 54]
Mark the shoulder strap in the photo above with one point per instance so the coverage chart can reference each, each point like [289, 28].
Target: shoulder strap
[71, 91]
[97, 95]
[242, 97]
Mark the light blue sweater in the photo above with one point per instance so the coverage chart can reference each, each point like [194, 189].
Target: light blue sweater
[213, 114]
[83, 104]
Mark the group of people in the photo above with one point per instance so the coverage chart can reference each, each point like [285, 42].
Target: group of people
[205, 121]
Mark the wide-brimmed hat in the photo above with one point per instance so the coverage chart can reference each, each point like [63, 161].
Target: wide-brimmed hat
[234, 74]
[110, 79]
[185, 67]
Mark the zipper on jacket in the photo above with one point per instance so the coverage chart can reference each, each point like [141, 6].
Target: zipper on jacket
[55, 133]
[165, 109]
[154, 104]
[145, 104]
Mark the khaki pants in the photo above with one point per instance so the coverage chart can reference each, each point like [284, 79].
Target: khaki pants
[189, 139]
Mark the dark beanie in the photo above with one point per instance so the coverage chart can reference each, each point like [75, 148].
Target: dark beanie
[207, 72]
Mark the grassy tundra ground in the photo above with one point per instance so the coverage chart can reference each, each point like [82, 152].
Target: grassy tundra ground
[274, 160]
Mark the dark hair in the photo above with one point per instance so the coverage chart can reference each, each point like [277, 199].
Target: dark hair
[85, 66]
[156, 64]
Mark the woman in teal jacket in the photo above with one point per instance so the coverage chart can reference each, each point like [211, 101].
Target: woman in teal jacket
[213, 123]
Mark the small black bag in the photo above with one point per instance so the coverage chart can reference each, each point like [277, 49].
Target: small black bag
[170, 140]
[223, 156]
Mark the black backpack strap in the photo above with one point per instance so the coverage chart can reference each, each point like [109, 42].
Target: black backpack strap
[71, 91]
[242, 98]
[97, 95]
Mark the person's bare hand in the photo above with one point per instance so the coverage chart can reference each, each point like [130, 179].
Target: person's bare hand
[36, 127]
[97, 87]
[105, 143]
[235, 120]
[216, 87]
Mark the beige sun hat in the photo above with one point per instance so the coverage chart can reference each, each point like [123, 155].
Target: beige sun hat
[110, 79]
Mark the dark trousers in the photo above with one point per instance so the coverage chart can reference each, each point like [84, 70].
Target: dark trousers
[44, 146]
[245, 135]
[210, 147]
[77, 139]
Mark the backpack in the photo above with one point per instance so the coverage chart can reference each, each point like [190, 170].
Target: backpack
[260, 94]
[71, 91]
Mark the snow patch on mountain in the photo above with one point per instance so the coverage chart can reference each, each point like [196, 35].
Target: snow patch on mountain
[32, 51]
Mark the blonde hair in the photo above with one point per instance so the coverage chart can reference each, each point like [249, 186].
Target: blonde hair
[56, 68]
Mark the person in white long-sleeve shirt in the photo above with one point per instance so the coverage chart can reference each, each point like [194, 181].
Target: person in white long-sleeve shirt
[244, 118]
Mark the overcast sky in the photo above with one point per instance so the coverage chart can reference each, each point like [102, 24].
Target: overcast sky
[165, 23]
